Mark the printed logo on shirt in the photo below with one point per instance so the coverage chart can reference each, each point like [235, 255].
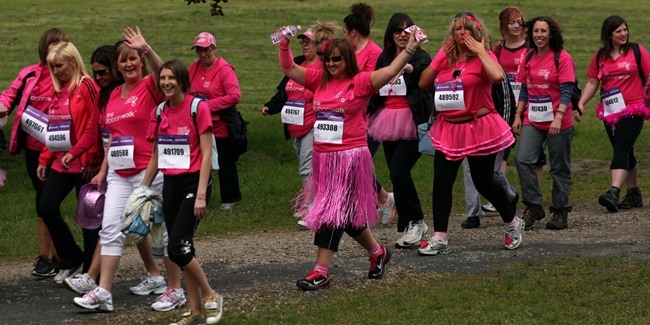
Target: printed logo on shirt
[206, 84]
[183, 130]
[40, 99]
[52, 116]
[133, 100]
[319, 107]
[624, 65]
[544, 72]
[110, 119]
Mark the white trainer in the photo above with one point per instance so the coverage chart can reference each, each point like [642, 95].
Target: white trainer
[213, 306]
[150, 285]
[387, 210]
[514, 234]
[169, 300]
[434, 247]
[66, 273]
[80, 283]
[95, 300]
[412, 235]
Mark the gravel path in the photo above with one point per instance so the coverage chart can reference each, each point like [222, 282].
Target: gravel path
[244, 268]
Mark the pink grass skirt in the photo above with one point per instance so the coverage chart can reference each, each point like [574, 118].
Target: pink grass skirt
[480, 137]
[612, 119]
[392, 125]
[340, 192]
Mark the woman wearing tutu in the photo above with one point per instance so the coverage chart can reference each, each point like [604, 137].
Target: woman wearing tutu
[468, 126]
[340, 195]
[396, 110]
[615, 68]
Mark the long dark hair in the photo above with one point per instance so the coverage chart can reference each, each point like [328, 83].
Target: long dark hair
[394, 24]
[104, 56]
[555, 42]
[347, 52]
[610, 24]
[360, 19]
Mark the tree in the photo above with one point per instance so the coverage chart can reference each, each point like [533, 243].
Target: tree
[215, 8]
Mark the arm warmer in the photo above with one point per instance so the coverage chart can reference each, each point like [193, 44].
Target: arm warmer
[523, 93]
[286, 58]
[566, 91]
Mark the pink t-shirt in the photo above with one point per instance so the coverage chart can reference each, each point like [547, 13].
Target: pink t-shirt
[621, 73]
[477, 88]
[178, 121]
[218, 85]
[40, 98]
[127, 118]
[295, 91]
[510, 59]
[367, 58]
[342, 104]
[543, 80]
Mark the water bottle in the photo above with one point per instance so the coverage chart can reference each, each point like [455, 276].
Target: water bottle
[277, 36]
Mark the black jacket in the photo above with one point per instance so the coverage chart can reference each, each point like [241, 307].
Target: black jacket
[420, 101]
[280, 98]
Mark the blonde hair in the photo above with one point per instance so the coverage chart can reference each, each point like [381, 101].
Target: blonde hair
[324, 31]
[475, 26]
[69, 53]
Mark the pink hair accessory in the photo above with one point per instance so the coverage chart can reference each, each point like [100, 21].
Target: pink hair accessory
[476, 22]
[325, 45]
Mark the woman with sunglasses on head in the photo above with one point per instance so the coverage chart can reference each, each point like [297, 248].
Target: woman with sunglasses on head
[127, 155]
[616, 69]
[30, 95]
[544, 114]
[294, 102]
[214, 80]
[467, 126]
[395, 112]
[340, 195]
[356, 30]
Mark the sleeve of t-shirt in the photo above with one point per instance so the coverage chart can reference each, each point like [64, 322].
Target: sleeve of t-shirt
[592, 71]
[645, 60]
[203, 118]
[438, 61]
[363, 84]
[566, 68]
[523, 72]
[153, 90]
[153, 123]
[312, 79]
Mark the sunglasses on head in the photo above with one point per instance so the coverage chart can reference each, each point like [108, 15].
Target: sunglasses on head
[334, 59]
[101, 72]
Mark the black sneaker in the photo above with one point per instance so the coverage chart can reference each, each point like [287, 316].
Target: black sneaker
[313, 281]
[56, 266]
[632, 199]
[378, 264]
[42, 267]
[610, 199]
[471, 222]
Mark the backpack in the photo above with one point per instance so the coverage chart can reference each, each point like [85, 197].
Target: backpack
[577, 92]
[637, 57]
[214, 161]
[504, 99]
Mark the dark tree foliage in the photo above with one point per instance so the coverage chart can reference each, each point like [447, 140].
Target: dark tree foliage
[215, 8]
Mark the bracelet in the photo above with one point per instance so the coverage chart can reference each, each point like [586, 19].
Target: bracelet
[146, 51]
[409, 50]
[560, 112]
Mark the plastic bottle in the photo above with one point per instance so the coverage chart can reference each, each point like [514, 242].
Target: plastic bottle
[277, 36]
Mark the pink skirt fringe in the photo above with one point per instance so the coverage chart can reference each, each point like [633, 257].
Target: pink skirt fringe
[481, 137]
[392, 125]
[340, 192]
[612, 119]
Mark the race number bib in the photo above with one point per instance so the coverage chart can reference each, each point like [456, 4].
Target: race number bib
[58, 136]
[540, 108]
[105, 136]
[173, 151]
[120, 154]
[34, 122]
[293, 112]
[450, 96]
[328, 127]
[516, 86]
[613, 101]
[395, 88]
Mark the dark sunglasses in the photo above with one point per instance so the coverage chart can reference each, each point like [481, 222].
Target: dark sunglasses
[399, 30]
[101, 72]
[203, 49]
[334, 59]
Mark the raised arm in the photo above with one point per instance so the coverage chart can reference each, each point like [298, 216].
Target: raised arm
[135, 40]
[492, 68]
[290, 68]
[382, 76]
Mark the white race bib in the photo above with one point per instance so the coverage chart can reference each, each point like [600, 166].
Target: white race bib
[516, 86]
[328, 127]
[613, 101]
[34, 122]
[450, 96]
[293, 112]
[173, 151]
[120, 154]
[58, 136]
[540, 108]
[396, 88]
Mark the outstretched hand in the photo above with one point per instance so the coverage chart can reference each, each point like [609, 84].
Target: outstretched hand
[134, 39]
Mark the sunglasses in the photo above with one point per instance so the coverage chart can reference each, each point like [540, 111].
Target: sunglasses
[334, 59]
[203, 49]
[399, 30]
[101, 72]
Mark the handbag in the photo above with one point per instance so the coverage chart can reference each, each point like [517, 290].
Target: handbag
[425, 144]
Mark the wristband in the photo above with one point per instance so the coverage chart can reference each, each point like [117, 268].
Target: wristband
[409, 51]
[560, 112]
[146, 51]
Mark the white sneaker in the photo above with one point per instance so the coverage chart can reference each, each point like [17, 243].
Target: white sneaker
[150, 285]
[387, 210]
[213, 306]
[66, 273]
[227, 206]
[96, 300]
[488, 208]
[80, 283]
[169, 300]
[514, 234]
[412, 235]
[302, 224]
[434, 247]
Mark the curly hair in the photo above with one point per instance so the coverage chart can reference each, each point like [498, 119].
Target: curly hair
[472, 24]
[555, 42]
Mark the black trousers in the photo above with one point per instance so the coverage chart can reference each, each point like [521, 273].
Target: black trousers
[228, 175]
[622, 137]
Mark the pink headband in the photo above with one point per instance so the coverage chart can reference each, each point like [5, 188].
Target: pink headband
[325, 45]
[472, 18]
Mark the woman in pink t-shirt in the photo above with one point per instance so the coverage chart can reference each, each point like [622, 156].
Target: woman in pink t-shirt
[340, 196]
[467, 126]
[183, 151]
[544, 114]
[615, 68]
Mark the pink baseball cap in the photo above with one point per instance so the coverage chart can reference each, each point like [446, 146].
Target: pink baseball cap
[90, 206]
[204, 39]
[309, 34]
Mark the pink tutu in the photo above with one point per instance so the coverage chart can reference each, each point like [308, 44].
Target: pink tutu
[612, 119]
[340, 191]
[392, 125]
[481, 137]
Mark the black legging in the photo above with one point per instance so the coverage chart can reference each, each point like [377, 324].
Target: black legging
[228, 175]
[401, 156]
[622, 137]
[31, 162]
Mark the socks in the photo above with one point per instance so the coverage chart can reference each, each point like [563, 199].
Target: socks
[511, 223]
[440, 236]
[375, 250]
[322, 268]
